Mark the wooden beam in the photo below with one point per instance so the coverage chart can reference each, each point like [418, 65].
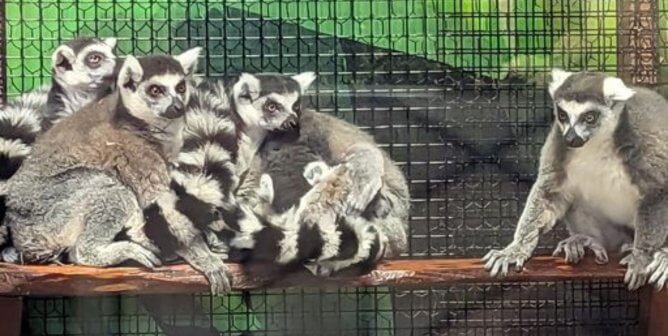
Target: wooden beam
[11, 309]
[78, 280]
[637, 41]
[653, 311]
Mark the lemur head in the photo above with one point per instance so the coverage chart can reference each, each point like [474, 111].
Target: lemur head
[586, 104]
[85, 63]
[156, 88]
[270, 101]
[313, 173]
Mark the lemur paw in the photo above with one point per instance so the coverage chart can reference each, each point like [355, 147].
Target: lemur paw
[314, 171]
[217, 246]
[11, 255]
[361, 195]
[574, 246]
[636, 268]
[144, 256]
[219, 280]
[498, 261]
[381, 207]
[658, 269]
[321, 269]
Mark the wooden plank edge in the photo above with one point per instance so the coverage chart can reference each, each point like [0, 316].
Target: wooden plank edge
[79, 280]
[11, 310]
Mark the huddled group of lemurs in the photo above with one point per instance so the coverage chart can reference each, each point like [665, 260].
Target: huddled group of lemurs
[142, 160]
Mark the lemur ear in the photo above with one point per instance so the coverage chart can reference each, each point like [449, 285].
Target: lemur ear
[63, 58]
[188, 60]
[110, 41]
[266, 192]
[305, 79]
[130, 74]
[615, 89]
[558, 78]
[247, 87]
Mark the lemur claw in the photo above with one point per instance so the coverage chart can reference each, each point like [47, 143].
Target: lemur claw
[499, 261]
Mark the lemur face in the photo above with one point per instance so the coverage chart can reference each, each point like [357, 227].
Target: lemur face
[85, 63]
[585, 104]
[157, 87]
[271, 101]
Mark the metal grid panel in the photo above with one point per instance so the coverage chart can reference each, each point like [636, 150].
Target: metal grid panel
[454, 90]
[578, 308]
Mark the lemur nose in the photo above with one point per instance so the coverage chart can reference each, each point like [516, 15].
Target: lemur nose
[573, 139]
[176, 110]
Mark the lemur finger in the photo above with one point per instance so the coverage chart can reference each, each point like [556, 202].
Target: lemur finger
[662, 281]
[504, 270]
[497, 267]
[581, 251]
[489, 255]
[491, 259]
[656, 274]
[558, 250]
[601, 256]
[219, 283]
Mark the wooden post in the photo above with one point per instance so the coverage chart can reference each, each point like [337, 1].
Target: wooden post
[10, 307]
[652, 312]
[638, 64]
[10, 315]
[637, 41]
[3, 54]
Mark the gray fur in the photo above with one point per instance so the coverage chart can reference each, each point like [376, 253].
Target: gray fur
[73, 86]
[610, 190]
[365, 183]
[89, 178]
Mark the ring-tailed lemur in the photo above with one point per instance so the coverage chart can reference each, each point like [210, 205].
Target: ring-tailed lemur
[604, 171]
[224, 126]
[282, 240]
[365, 183]
[220, 140]
[88, 177]
[83, 70]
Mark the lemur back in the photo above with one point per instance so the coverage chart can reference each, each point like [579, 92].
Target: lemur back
[603, 173]
[83, 71]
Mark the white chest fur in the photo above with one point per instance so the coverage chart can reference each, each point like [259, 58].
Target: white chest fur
[598, 181]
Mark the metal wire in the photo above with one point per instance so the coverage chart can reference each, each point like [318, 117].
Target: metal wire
[454, 90]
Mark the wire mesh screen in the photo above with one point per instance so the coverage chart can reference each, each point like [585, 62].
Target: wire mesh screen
[453, 90]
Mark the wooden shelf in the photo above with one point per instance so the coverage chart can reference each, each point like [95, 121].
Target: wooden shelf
[78, 280]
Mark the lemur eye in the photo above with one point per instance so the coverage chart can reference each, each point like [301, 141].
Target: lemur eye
[562, 115]
[297, 107]
[181, 87]
[271, 107]
[155, 90]
[591, 117]
[94, 58]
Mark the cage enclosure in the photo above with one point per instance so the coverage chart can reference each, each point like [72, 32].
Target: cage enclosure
[454, 90]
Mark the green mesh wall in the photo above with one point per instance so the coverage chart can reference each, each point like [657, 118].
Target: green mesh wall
[452, 89]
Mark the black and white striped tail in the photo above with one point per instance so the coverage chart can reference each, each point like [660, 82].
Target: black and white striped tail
[20, 123]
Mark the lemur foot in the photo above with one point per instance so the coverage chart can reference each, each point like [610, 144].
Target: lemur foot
[498, 261]
[314, 171]
[321, 269]
[219, 279]
[217, 246]
[636, 268]
[574, 247]
[11, 255]
[626, 248]
[658, 269]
